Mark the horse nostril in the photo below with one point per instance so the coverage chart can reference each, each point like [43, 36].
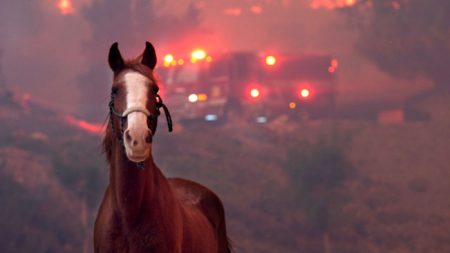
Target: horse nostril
[130, 139]
[128, 136]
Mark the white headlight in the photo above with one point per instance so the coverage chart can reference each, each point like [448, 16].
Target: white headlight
[193, 98]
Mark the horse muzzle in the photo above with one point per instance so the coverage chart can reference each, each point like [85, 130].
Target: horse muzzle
[137, 144]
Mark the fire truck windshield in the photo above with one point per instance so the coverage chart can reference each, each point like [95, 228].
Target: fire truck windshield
[187, 73]
[182, 74]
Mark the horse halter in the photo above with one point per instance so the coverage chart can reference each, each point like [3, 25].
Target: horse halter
[152, 118]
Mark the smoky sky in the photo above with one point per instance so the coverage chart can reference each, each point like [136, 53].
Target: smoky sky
[19, 17]
[408, 39]
[130, 23]
[41, 51]
[61, 59]
[133, 22]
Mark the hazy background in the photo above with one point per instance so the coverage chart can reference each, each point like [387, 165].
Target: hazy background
[63, 51]
[393, 55]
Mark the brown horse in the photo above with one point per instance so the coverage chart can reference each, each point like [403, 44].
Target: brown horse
[142, 210]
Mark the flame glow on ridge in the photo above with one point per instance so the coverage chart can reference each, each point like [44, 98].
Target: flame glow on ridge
[331, 4]
[84, 125]
[65, 7]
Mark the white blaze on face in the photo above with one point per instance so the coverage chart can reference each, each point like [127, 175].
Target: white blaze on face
[137, 88]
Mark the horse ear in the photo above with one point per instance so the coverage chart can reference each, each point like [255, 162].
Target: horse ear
[149, 56]
[115, 59]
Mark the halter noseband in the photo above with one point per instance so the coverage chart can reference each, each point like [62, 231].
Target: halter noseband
[136, 109]
[150, 117]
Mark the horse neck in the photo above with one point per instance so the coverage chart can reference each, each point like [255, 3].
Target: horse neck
[138, 191]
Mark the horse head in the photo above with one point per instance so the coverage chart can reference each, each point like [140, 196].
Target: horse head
[135, 103]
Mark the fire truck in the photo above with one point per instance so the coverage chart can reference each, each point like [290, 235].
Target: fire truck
[248, 86]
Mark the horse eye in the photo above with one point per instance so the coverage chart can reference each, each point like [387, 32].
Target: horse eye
[114, 90]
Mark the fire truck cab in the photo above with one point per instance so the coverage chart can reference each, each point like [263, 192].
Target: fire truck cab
[248, 85]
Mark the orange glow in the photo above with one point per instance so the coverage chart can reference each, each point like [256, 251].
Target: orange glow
[84, 125]
[208, 58]
[233, 11]
[256, 9]
[25, 101]
[334, 63]
[304, 93]
[396, 5]
[180, 61]
[254, 93]
[333, 66]
[292, 105]
[202, 97]
[65, 7]
[271, 60]
[331, 4]
[198, 54]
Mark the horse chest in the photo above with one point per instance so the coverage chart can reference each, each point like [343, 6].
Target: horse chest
[113, 233]
[139, 240]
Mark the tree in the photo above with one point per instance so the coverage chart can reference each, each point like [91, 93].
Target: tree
[317, 170]
[405, 38]
[2, 78]
[2, 81]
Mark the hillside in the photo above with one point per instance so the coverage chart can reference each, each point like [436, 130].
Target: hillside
[38, 214]
[51, 177]
[395, 201]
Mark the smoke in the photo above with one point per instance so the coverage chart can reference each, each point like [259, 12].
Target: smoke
[2, 78]
[406, 39]
[131, 24]
[41, 51]
[19, 17]
[61, 57]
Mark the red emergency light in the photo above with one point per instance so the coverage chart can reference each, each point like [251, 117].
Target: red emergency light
[254, 92]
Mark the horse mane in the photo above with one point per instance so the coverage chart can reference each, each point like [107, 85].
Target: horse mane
[135, 65]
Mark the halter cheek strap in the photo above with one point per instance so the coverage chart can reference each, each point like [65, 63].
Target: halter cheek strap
[160, 104]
